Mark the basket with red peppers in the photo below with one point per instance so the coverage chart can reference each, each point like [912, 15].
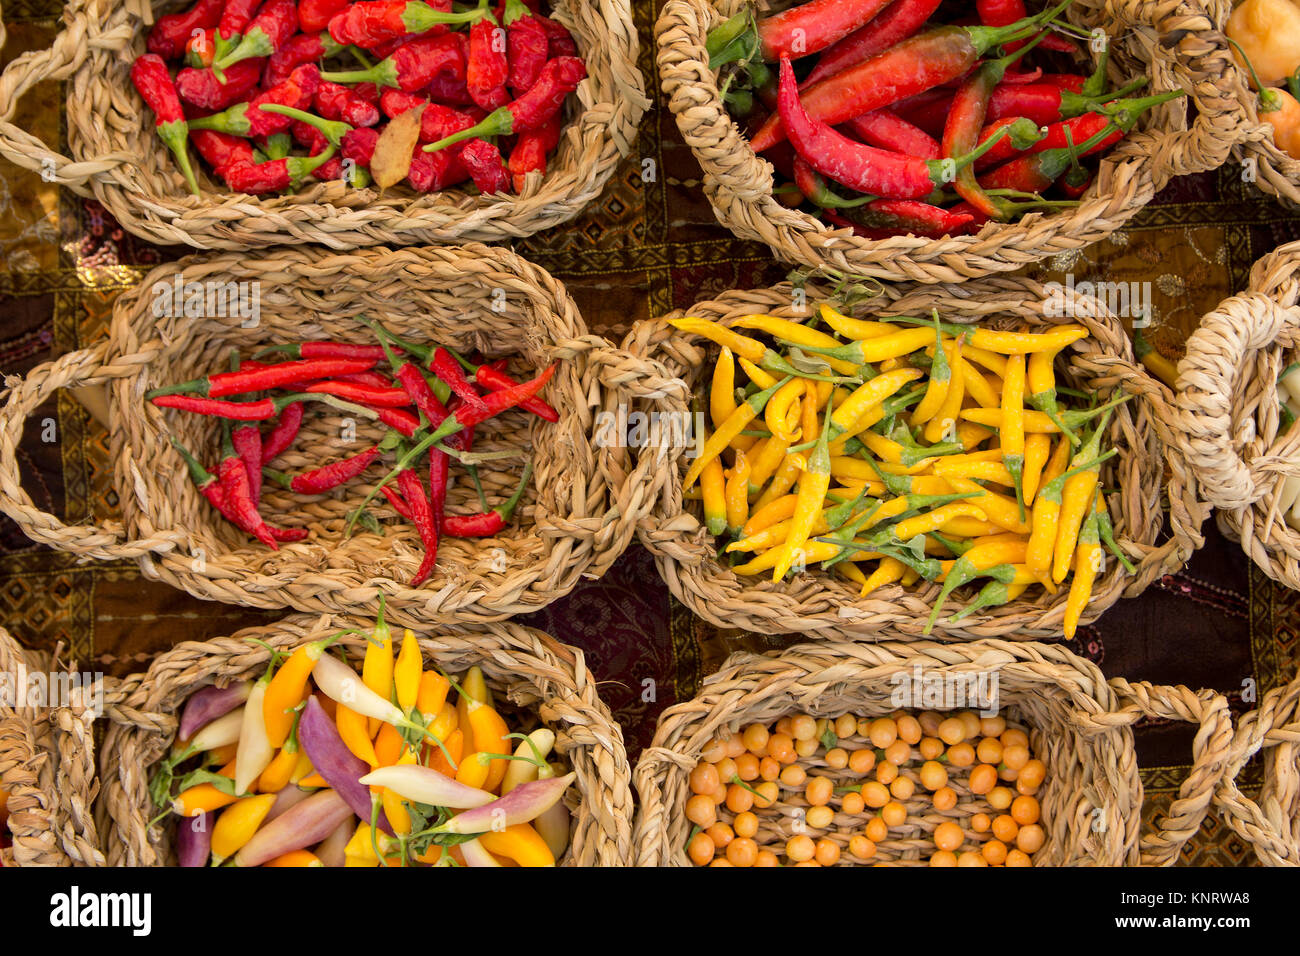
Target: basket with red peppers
[246, 123]
[413, 423]
[915, 140]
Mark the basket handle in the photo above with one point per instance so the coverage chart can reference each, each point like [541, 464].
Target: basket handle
[1220, 354]
[1211, 750]
[65, 56]
[1267, 827]
[84, 367]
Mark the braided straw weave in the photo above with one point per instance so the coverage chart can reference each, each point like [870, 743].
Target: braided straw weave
[1079, 726]
[119, 159]
[1271, 826]
[818, 603]
[47, 766]
[573, 522]
[1165, 143]
[529, 669]
[1228, 411]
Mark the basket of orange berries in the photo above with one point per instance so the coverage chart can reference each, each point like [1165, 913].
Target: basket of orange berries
[984, 754]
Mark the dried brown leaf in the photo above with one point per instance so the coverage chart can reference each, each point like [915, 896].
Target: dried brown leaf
[392, 159]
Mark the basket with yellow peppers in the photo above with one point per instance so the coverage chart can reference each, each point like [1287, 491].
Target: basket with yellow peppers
[911, 458]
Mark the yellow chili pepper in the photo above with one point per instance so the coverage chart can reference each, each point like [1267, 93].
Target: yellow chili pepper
[997, 364]
[737, 494]
[237, 824]
[1087, 562]
[979, 388]
[1022, 343]
[783, 480]
[813, 485]
[277, 773]
[433, 693]
[223, 755]
[295, 858]
[853, 328]
[352, 727]
[722, 390]
[778, 410]
[813, 551]
[894, 344]
[945, 419]
[909, 528]
[377, 669]
[851, 571]
[870, 394]
[448, 719]
[1032, 422]
[887, 571]
[519, 842]
[968, 528]
[1012, 429]
[286, 690]
[998, 549]
[760, 377]
[472, 772]
[407, 671]
[1058, 463]
[741, 345]
[765, 460]
[713, 484]
[729, 429]
[771, 513]
[1159, 366]
[910, 577]
[487, 733]
[941, 358]
[796, 334]
[302, 767]
[963, 466]
[971, 435]
[1002, 511]
[1037, 449]
[868, 418]
[394, 806]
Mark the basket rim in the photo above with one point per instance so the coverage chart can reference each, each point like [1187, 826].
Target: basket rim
[560, 688]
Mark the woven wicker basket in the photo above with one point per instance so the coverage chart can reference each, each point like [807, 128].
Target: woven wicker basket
[1166, 144]
[117, 158]
[573, 523]
[47, 766]
[1271, 825]
[524, 666]
[816, 603]
[1228, 411]
[1079, 726]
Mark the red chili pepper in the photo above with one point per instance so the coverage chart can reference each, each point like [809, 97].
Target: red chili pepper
[322, 479]
[238, 493]
[439, 470]
[266, 377]
[209, 486]
[412, 489]
[170, 34]
[910, 67]
[487, 523]
[559, 78]
[378, 397]
[532, 146]
[812, 27]
[315, 15]
[885, 129]
[891, 26]
[858, 166]
[895, 216]
[559, 41]
[412, 66]
[359, 145]
[278, 174]
[1080, 128]
[437, 120]
[417, 389]
[222, 150]
[154, 83]
[235, 18]
[280, 437]
[259, 410]
[495, 379]
[430, 172]
[336, 102]
[1036, 172]
[398, 503]
[247, 119]
[809, 182]
[488, 170]
[303, 48]
[1075, 182]
[400, 420]
[449, 372]
[247, 440]
[201, 88]
[371, 22]
[526, 45]
[275, 23]
[487, 70]
[998, 13]
[449, 88]
[1046, 103]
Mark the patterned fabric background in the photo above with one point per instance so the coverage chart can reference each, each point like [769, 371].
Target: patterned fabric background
[646, 246]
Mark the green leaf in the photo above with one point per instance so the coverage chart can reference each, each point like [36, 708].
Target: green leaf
[828, 738]
[196, 777]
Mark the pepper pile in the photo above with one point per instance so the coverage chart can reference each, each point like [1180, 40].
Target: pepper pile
[441, 96]
[1263, 36]
[427, 401]
[798, 768]
[953, 455]
[931, 133]
[315, 765]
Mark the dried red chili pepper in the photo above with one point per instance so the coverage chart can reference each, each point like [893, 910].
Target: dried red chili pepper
[526, 46]
[435, 171]
[359, 145]
[275, 23]
[303, 48]
[891, 217]
[363, 394]
[235, 18]
[280, 438]
[256, 411]
[154, 83]
[487, 523]
[372, 22]
[412, 66]
[487, 69]
[560, 78]
[203, 89]
[891, 26]
[238, 493]
[450, 90]
[315, 15]
[559, 41]
[247, 119]
[278, 174]
[322, 479]
[210, 487]
[412, 489]
[913, 66]
[337, 102]
[221, 150]
[436, 121]
[486, 168]
[169, 35]
[885, 129]
[261, 379]
[532, 146]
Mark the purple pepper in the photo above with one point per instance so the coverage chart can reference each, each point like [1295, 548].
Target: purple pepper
[333, 851]
[341, 768]
[304, 825]
[206, 705]
[194, 839]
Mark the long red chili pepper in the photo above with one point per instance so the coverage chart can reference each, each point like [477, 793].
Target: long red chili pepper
[439, 470]
[352, 351]
[247, 440]
[864, 168]
[411, 66]
[894, 216]
[235, 486]
[492, 378]
[246, 119]
[275, 23]
[885, 129]
[371, 22]
[303, 48]
[170, 34]
[532, 146]
[364, 394]
[812, 27]
[448, 370]
[314, 15]
[412, 489]
[322, 479]
[1046, 103]
[418, 390]
[397, 501]
[280, 438]
[998, 13]
[235, 18]
[210, 487]
[488, 523]
[266, 377]
[258, 411]
[154, 83]
[486, 167]
[1075, 130]
[1035, 172]
[559, 78]
[222, 150]
[891, 26]
[203, 89]
[372, 378]
[815, 190]
[911, 67]
[337, 102]
[400, 420]
[526, 45]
